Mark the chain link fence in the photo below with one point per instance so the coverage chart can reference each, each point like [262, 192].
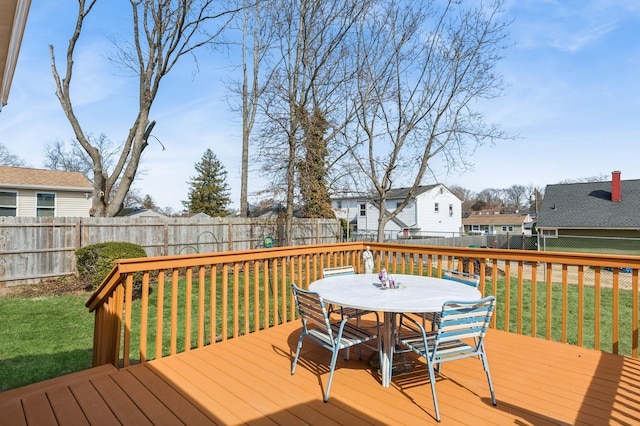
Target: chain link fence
[591, 244]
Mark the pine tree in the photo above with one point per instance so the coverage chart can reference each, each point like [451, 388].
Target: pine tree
[148, 203]
[209, 191]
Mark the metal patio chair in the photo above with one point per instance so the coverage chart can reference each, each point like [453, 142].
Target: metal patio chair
[472, 280]
[461, 327]
[333, 336]
[338, 271]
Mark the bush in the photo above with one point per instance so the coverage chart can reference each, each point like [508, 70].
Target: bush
[94, 262]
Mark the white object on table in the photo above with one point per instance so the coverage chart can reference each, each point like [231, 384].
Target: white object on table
[414, 294]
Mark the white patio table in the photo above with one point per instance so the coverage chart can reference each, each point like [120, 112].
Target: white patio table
[415, 294]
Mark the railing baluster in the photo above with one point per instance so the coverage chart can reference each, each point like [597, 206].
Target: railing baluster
[265, 290]
[565, 302]
[245, 277]
[616, 314]
[634, 310]
[187, 309]
[144, 314]
[236, 299]
[201, 297]
[127, 320]
[549, 299]
[173, 345]
[596, 315]
[507, 295]
[520, 295]
[580, 339]
[534, 298]
[160, 315]
[213, 304]
[224, 299]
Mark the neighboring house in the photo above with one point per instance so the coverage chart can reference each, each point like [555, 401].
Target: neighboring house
[37, 192]
[13, 18]
[433, 211]
[273, 212]
[598, 209]
[493, 223]
[138, 212]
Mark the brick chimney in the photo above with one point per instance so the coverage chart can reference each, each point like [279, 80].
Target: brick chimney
[616, 194]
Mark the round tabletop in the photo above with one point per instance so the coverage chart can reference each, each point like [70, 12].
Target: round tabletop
[414, 293]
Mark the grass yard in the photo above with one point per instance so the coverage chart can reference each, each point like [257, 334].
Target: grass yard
[558, 299]
[42, 338]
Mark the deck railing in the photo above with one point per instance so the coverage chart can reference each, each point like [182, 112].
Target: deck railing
[153, 307]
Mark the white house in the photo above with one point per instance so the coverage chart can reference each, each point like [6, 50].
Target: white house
[433, 211]
[37, 192]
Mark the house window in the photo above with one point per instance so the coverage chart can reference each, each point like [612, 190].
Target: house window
[507, 228]
[549, 233]
[45, 204]
[339, 204]
[398, 204]
[363, 209]
[450, 209]
[436, 207]
[8, 203]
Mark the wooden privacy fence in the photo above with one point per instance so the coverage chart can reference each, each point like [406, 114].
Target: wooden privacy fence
[154, 307]
[36, 248]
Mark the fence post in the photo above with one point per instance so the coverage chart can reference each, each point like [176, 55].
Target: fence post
[78, 233]
[165, 237]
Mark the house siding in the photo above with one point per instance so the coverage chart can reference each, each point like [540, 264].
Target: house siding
[67, 203]
[440, 223]
[72, 204]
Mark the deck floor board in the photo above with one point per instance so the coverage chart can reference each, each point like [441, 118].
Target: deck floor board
[247, 380]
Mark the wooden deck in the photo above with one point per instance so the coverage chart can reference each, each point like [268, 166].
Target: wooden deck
[247, 381]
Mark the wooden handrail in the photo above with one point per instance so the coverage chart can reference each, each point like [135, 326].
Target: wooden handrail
[203, 298]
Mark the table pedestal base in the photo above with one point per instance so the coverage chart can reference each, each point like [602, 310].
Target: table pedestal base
[401, 363]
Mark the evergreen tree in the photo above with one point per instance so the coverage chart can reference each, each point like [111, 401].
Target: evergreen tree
[209, 191]
[148, 203]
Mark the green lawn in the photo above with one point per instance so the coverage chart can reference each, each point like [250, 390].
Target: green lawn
[46, 337]
[41, 338]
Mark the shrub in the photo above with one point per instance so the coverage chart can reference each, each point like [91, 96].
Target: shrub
[94, 262]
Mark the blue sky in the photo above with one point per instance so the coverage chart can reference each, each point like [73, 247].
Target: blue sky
[573, 100]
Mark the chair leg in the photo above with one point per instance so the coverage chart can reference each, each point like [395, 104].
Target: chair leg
[295, 359]
[432, 381]
[334, 358]
[485, 364]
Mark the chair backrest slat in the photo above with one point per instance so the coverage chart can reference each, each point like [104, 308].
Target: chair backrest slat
[338, 270]
[472, 280]
[459, 320]
[311, 308]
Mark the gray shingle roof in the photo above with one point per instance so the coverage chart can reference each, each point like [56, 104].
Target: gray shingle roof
[589, 205]
[401, 193]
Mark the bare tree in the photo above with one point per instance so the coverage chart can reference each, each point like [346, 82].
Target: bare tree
[465, 195]
[515, 197]
[423, 68]
[308, 73]
[7, 158]
[163, 32]
[257, 38]
[602, 177]
[73, 158]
